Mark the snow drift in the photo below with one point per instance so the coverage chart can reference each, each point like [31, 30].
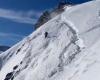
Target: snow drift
[70, 51]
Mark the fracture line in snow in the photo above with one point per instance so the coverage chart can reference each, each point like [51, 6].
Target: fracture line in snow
[74, 30]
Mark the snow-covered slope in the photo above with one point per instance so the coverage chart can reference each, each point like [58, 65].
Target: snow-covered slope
[70, 51]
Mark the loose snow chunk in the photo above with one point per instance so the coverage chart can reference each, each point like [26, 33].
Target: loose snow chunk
[80, 43]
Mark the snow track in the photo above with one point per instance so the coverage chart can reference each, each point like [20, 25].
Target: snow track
[67, 53]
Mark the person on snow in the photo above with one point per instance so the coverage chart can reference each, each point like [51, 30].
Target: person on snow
[46, 34]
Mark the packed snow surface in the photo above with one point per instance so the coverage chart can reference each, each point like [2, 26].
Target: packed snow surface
[71, 50]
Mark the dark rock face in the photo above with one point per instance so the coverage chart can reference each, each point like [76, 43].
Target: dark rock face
[46, 16]
[15, 67]
[9, 76]
[43, 19]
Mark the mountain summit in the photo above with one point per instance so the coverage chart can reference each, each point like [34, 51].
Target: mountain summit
[66, 47]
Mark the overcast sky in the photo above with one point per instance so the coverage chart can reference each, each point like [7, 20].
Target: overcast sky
[17, 17]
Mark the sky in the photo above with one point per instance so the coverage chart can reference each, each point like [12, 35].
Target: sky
[17, 17]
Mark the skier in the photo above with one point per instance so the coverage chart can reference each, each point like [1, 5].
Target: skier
[46, 34]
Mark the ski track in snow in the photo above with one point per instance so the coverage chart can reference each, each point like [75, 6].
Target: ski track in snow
[70, 51]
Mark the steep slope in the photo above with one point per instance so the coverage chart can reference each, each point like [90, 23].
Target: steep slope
[69, 52]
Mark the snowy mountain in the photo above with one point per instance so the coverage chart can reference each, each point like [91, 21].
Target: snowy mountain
[69, 52]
